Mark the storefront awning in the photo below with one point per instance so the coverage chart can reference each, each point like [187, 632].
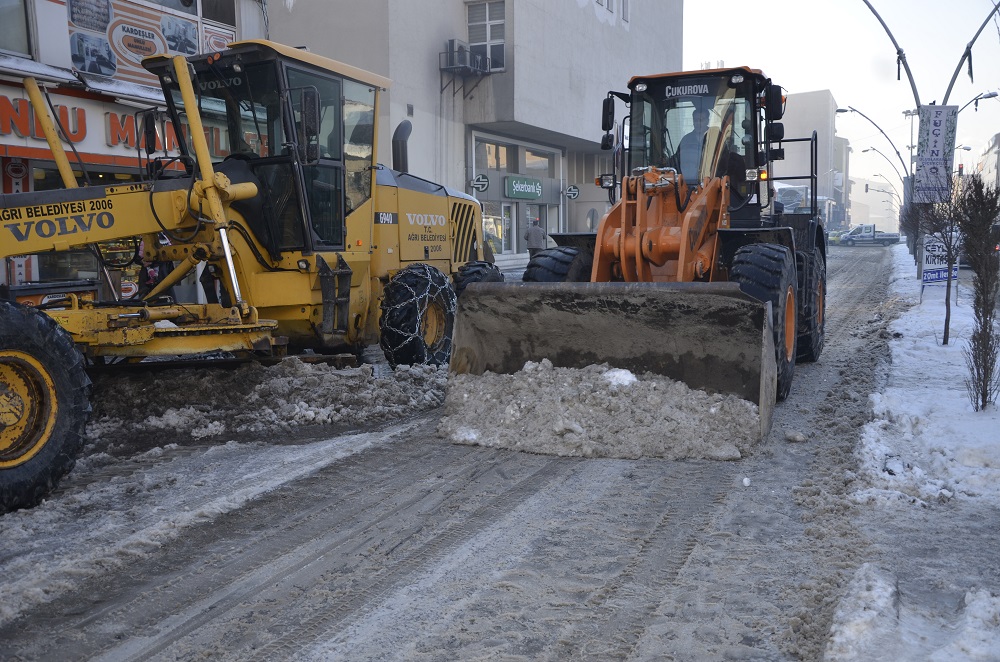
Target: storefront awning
[122, 91]
[17, 68]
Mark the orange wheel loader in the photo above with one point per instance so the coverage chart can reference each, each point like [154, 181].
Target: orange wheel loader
[696, 272]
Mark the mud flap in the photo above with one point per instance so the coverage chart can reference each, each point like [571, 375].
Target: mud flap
[711, 336]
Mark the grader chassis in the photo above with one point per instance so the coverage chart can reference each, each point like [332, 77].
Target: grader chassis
[296, 237]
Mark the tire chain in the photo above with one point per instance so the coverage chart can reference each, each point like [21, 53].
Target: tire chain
[425, 285]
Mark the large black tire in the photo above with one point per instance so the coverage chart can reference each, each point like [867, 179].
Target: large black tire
[44, 405]
[476, 272]
[562, 264]
[812, 316]
[767, 272]
[418, 317]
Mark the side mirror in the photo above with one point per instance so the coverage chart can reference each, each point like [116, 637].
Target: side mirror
[149, 131]
[775, 132]
[309, 120]
[608, 141]
[608, 114]
[775, 102]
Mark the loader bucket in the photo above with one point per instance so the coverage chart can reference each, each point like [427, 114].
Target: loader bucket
[710, 336]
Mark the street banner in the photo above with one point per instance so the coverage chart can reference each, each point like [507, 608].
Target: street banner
[935, 152]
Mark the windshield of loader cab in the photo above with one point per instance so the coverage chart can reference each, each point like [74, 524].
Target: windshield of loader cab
[701, 125]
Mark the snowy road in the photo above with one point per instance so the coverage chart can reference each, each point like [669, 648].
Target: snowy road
[392, 544]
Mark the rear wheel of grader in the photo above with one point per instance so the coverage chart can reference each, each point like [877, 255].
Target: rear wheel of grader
[476, 272]
[562, 264]
[44, 405]
[767, 272]
[812, 322]
[418, 317]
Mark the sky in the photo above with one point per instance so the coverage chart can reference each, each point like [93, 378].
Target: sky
[839, 45]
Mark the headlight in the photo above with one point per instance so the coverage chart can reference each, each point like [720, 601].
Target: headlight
[605, 181]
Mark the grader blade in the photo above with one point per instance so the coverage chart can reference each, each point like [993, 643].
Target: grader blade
[710, 336]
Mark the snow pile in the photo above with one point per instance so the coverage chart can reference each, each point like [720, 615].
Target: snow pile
[256, 400]
[926, 443]
[873, 618]
[596, 411]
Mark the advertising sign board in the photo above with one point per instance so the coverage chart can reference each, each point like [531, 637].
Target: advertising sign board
[935, 152]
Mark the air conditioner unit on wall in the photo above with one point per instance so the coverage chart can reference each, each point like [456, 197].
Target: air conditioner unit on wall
[458, 53]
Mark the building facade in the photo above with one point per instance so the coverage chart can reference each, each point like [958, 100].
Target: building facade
[503, 97]
[499, 98]
[806, 112]
[86, 54]
[988, 164]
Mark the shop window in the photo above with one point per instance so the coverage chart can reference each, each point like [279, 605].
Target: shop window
[220, 11]
[539, 164]
[184, 6]
[49, 179]
[492, 156]
[14, 27]
[486, 32]
[83, 264]
[493, 225]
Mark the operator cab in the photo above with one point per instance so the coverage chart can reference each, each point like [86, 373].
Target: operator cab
[706, 124]
[287, 121]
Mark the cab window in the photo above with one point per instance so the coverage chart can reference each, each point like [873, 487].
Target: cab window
[359, 141]
[323, 181]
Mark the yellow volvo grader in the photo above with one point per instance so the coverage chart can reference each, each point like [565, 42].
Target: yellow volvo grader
[262, 185]
[696, 273]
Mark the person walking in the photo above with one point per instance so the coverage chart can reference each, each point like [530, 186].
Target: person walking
[536, 238]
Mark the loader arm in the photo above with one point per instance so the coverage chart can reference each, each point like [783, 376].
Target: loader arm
[661, 230]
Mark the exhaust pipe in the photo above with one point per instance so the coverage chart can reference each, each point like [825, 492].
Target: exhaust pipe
[399, 152]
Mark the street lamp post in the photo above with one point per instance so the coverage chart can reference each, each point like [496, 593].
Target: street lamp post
[964, 148]
[888, 160]
[882, 190]
[852, 109]
[908, 181]
[981, 95]
[890, 185]
[911, 114]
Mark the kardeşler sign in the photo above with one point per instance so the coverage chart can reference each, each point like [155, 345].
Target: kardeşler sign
[523, 188]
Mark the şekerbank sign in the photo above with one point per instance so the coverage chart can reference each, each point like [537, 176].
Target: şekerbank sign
[524, 188]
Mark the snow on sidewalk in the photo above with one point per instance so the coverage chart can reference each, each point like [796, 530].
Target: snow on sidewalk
[924, 445]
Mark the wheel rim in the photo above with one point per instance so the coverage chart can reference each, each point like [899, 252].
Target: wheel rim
[789, 322]
[432, 325]
[28, 408]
